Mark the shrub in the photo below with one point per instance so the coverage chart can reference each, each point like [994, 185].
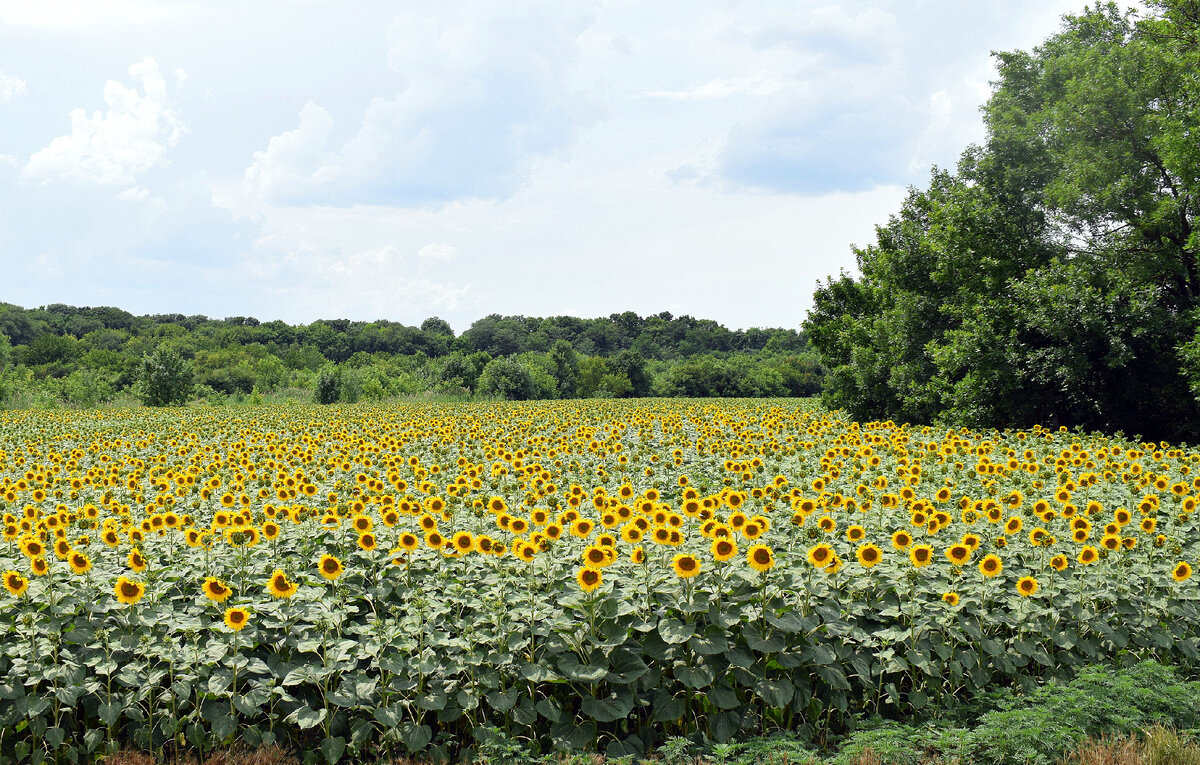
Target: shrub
[165, 379]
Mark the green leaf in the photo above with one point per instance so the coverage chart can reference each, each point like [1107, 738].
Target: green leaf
[673, 631]
[740, 657]
[332, 748]
[388, 716]
[787, 622]
[109, 713]
[667, 708]
[502, 701]
[694, 677]
[833, 677]
[307, 717]
[550, 709]
[725, 725]
[416, 737]
[776, 693]
[536, 673]
[763, 641]
[54, 737]
[626, 667]
[432, 701]
[608, 709]
[584, 673]
[723, 697]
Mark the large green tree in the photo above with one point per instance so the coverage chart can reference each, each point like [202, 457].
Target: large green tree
[1053, 276]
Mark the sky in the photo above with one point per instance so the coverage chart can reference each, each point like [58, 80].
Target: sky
[400, 160]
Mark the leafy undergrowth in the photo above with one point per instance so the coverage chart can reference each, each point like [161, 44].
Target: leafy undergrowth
[1140, 715]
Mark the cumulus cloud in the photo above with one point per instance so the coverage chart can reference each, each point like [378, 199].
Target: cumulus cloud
[486, 93]
[435, 252]
[374, 282]
[762, 84]
[85, 14]
[117, 145]
[10, 87]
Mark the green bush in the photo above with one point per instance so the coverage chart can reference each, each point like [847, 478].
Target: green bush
[165, 379]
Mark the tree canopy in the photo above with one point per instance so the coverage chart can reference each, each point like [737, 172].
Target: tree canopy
[1052, 277]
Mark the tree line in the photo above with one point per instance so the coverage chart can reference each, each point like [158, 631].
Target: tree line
[1052, 276]
[84, 356]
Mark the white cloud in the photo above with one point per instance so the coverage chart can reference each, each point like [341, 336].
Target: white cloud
[134, 194]
[762, 84]
[10, 87]
[78, 15]
[374, 282]
[486, 94]
[434, 251]
[116, 146]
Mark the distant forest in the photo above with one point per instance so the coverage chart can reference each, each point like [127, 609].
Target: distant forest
[63, 355]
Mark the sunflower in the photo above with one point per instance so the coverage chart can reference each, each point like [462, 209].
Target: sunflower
[958, 554]
[279, 586]
[921, 555]
[463, 542]
[1088, 555]
[723, 550]
[950, 597]
[637, 555]
[582, 528]
[331, 568]
[237, 618]
[588, 578]
[761, 558]
[136, 562]
[1058, 562]
[631, 533]
[1014, 525]
[39, 566]
[595, 557]
[1182, 572]
[216, 590]
[991, 566]
[434, 540]
[409, 541]
[820, 556]
[901, 540]
[367, 541]
[855, 533]
[685, 566]
[868, 555]
[270, 530]
[1027, 586]
[80, 562]
[128, 591]
[15, 583]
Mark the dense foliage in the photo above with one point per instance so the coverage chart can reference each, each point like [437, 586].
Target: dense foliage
[1053, 276]
[84, 356]
[365, 581]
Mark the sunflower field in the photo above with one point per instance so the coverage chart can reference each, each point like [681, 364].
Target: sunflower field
[367, 581]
